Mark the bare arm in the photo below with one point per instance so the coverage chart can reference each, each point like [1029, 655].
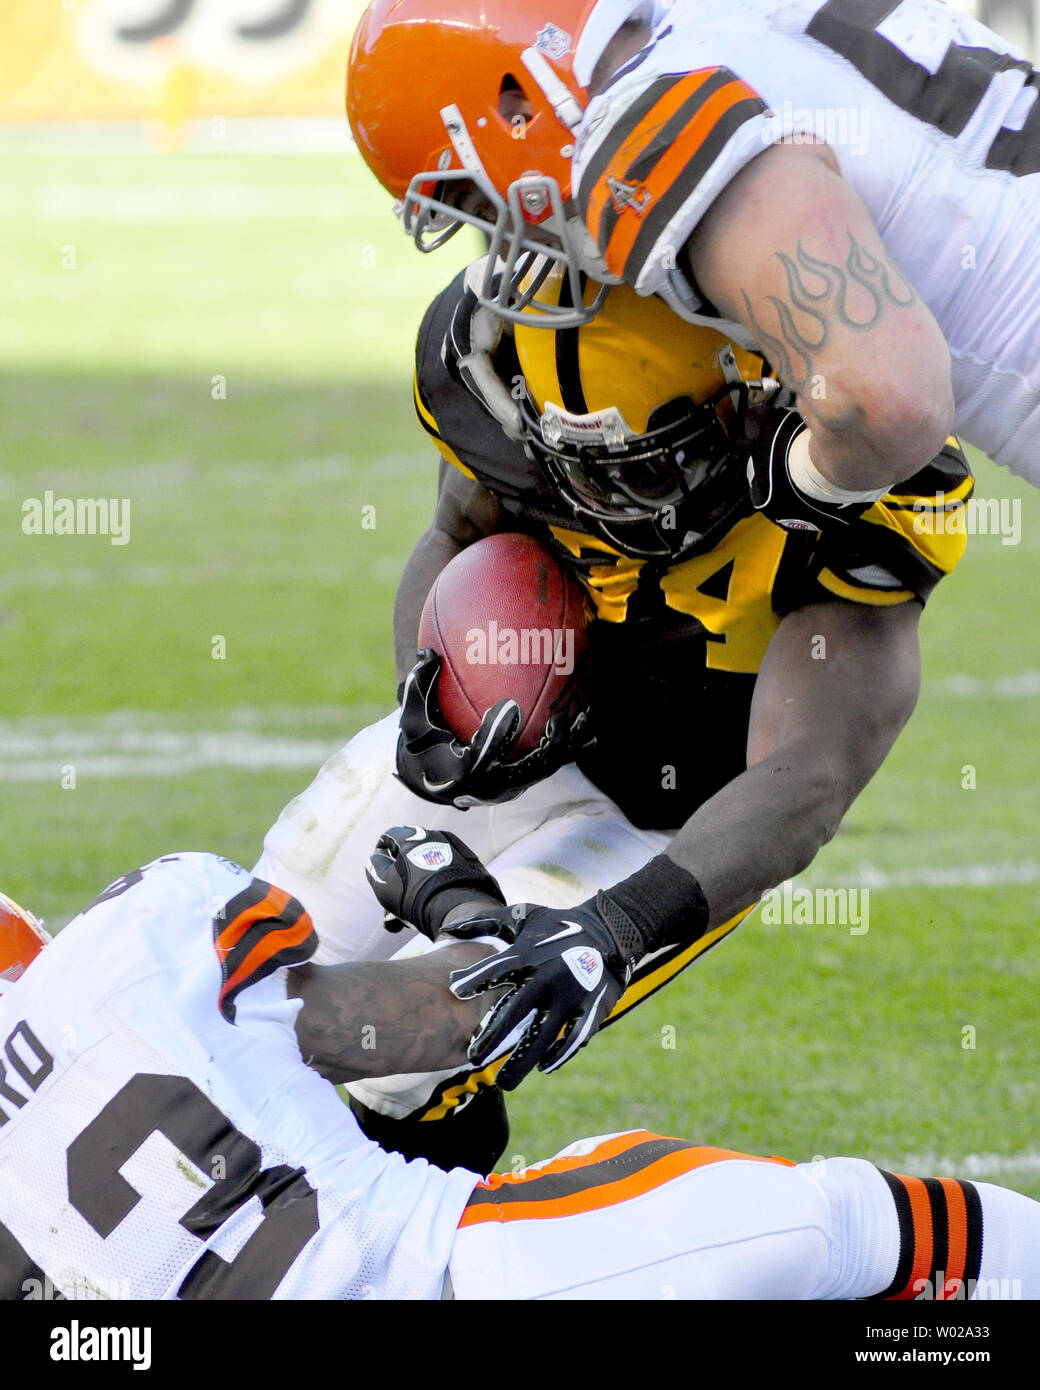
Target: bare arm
[465, 512]
[790, 251]
[819, 731]
[837, 684]
[381, 1018]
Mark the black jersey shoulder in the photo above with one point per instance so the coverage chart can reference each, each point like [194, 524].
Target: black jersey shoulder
[457, 421]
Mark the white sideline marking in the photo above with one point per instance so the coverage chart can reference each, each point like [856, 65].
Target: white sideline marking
[130, 744]
[960, 876]
[183, 753]
[971, 1166]
[1024, 686]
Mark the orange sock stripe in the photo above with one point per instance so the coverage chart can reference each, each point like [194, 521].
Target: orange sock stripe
[924, 1236]
[940, 1237]
[957, 1219]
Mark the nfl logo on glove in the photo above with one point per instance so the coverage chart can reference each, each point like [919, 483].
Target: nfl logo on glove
[585, 964]
[436, 856]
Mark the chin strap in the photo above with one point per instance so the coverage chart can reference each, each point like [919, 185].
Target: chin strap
[565, 104]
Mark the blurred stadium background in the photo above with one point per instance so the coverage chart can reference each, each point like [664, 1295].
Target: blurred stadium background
[210, 311]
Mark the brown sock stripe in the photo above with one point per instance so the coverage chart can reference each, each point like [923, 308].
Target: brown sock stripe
[940, 1237]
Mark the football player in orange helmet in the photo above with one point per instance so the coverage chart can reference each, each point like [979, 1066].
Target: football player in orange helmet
[22, 938]
[710, 166]
[468, 119]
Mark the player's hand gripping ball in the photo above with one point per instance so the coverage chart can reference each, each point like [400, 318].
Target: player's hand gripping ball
[496, 701]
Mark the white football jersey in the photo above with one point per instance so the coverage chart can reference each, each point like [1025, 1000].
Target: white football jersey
[160, 1134]
[935, 122]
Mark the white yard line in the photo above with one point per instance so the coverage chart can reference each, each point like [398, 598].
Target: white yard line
[970, 1166]
[133, 744]
[246, 752]
[960, 876]
[1024, 686]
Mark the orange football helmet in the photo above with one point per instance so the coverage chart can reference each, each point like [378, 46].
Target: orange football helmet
[22, 938]
[446, 97]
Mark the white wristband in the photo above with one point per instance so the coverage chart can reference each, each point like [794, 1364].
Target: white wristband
[808, 479]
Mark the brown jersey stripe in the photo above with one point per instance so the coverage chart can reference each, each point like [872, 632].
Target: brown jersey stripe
[264, 942]
[546, 1186]
[260, 929]
[257, 901]
[665, 207]
[643, 146]
[674, 164]
[292, 946]
[618, 134]
[646, 162]
[591, 1182]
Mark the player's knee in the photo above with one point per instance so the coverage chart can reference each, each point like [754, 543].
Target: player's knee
[864, 1241]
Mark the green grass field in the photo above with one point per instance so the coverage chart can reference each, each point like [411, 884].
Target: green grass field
[285, 276]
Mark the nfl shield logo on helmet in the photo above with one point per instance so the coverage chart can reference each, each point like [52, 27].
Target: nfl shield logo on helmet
[433, 856]
[553, 41]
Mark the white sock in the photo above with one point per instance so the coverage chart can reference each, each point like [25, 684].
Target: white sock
[872, 1238]
[1010, 1245]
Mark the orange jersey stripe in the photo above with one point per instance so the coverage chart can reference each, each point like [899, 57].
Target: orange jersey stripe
[957, 1221]
[672, 164]
[273, 905]
[610, 1148]
[269, 946]
[637, 141]
[673, 1165]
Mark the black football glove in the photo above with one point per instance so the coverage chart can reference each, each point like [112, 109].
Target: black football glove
[768, 434]
[420, 875]
[439, 767]
[568, 967]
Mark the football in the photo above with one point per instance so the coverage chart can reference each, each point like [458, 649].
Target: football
[508, 622]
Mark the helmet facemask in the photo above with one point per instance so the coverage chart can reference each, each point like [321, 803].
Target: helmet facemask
[518, 263]
[529, 226]
[667, 492]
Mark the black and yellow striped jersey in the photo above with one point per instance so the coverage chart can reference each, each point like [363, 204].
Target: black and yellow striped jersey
[675, 636]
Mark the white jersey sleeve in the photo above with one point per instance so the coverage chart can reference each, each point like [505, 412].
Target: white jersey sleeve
[658, 147]
[935, 123]
[160, 1134]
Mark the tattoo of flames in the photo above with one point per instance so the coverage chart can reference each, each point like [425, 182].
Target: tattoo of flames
[819, 292]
